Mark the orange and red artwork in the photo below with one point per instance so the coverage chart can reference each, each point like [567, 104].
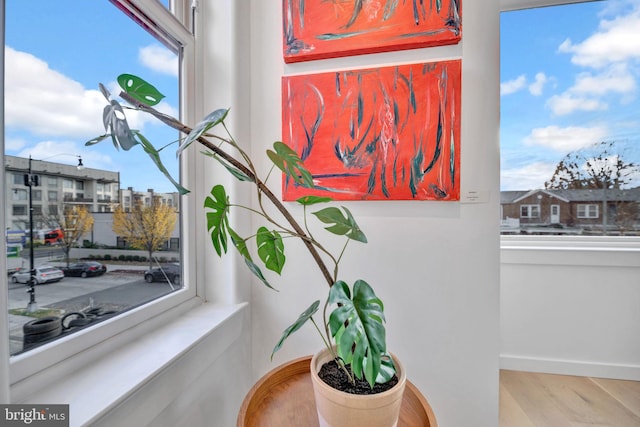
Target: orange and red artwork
[390, 133]
[320, 29]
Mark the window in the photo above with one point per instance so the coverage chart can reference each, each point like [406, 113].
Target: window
[36, 194]
[530, 211]
[52, 181]
[588, 211]
[566, 113]
[19, 194]
[19, 210]
[52, 195]
[18, 178]
[53, 210]
[159, 50]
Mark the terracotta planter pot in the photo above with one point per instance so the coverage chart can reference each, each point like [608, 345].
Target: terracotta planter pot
[340, 409]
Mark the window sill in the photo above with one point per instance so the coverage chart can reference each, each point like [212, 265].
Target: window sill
[602, 251]
[109, 384]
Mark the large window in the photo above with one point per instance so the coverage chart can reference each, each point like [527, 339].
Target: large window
[588, 211]
[569, 109]
[56, 54]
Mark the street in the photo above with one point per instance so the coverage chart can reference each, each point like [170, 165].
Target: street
[119, 289]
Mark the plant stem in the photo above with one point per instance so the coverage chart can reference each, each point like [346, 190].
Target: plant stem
[176, 124]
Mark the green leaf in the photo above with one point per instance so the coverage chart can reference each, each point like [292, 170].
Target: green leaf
[115, 122]
[155, 156]
[302, 319]
[312, 200]
[97, 139]
[241, 176]
[139, 89]
[343, 224]
[288, 161]
[201, 128]
[241, 246]
[218, 218]
[271, 249]
[359, 322]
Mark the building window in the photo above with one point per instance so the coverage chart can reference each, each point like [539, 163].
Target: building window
[530, 211]
[36, 195]
[79, 185]
[588, 211]
[52, 181]
[53, 210]
[19, 210]
[18, 178]
[52, 195]
[37, 210]
[67, 184]
[19, 195]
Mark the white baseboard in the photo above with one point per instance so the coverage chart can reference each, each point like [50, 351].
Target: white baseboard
[570, 367]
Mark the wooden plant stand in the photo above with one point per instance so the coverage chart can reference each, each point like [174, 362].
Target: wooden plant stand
[284, 397]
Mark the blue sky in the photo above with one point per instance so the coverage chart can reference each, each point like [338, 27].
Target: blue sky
[569, 78]
[56, 54]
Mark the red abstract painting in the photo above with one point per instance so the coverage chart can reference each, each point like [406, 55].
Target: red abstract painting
[390, 133]
[320, 29]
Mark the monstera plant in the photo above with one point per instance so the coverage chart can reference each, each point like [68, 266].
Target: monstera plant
[353, 320]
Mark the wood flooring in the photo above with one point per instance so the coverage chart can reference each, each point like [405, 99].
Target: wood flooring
[544, 400]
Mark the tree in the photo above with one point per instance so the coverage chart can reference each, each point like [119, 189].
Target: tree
[599, 166]
[74, 223]
[145, 227]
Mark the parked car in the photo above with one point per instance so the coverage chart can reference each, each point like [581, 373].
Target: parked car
[173, 272]
[44, 274]
[85, 269]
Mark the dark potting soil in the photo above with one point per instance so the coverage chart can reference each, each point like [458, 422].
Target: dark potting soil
[334, 376]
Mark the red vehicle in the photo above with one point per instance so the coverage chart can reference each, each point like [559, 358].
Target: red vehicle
[53, 237]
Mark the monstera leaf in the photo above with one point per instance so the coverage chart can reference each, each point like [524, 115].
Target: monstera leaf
[357, 324]
[342, 224]
[139, 89]
[217, 205]
[290, 163]
[302, 319]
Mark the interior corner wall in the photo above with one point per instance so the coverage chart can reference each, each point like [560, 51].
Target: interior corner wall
[434, 264]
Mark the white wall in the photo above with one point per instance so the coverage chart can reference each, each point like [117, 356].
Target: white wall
[571, 306]
[434, 264]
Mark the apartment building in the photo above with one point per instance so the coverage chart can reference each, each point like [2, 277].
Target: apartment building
[58, 185]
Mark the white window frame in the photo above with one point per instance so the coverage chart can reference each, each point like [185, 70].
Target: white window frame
[589, 211]
[530, 209]
[51, 362]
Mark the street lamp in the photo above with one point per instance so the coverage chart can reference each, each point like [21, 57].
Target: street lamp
[31, 180]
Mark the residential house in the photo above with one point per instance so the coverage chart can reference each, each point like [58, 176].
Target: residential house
[570, 211]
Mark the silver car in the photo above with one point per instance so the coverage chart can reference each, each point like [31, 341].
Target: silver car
[44, 274]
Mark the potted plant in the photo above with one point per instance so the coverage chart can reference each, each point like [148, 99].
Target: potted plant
[352, 326]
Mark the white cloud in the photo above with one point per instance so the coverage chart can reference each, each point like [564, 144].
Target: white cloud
[565, 139]
[589, 88]
[537, 86]
[45, 102]
[66, 152]
[616, 40]
[513, 86]
[616, 79]
[533, 175]
[159, 59]
[568, 103]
